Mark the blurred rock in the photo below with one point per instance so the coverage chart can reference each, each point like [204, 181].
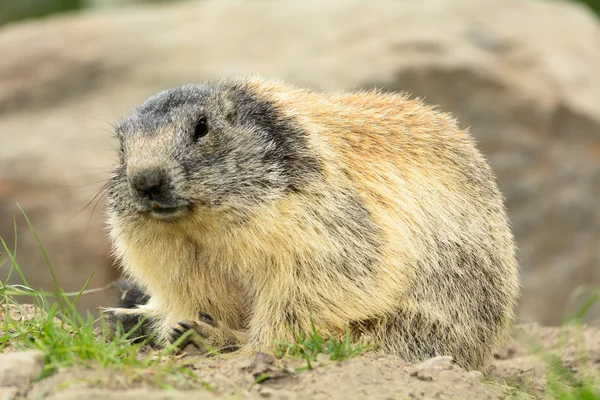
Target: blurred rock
[523, 75]
[20, 368]
[8, 393]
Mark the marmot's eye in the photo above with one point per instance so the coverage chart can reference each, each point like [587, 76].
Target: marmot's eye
[201, 128]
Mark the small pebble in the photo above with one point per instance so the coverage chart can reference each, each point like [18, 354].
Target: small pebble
[441, 362]
[477, 376]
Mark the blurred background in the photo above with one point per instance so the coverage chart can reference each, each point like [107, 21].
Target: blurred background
[523, 75]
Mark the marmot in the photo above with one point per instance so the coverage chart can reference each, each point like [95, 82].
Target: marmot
[266, 206]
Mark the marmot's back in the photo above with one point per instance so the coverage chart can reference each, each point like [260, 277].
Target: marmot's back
[363, 208]
[445, 226]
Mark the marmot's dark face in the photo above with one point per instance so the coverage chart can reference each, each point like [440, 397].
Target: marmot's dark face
[206, 148]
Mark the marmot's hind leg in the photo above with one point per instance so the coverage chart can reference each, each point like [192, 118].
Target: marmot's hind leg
[415, 337]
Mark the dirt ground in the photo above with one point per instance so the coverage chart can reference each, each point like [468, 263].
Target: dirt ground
[517, 373]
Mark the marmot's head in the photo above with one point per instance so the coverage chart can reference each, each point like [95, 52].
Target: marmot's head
[206, 148]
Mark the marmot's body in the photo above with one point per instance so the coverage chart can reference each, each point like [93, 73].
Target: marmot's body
[265, 205]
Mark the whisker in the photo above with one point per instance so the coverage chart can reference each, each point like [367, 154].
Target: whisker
[98, 195]
[86, 184]
[94, 209]
[112, 125]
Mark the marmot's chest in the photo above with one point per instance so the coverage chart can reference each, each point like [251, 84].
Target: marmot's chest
[200, 286]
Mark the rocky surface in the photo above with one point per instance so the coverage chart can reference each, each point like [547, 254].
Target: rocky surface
[519, 371]
[20, 368]
[521, 74]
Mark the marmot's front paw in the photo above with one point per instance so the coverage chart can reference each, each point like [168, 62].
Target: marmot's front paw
[207, 335]
[130, 294]
[137, 326]
[204, 328]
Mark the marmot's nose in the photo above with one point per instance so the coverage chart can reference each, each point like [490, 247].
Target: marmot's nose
[150, 183]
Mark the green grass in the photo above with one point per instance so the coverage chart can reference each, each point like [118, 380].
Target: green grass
[561, 381]
[67, 338]
[308, 345]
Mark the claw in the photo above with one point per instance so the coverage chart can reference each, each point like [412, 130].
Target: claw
[178, 331]
[184, 325]
[174, 335]
[206, 318]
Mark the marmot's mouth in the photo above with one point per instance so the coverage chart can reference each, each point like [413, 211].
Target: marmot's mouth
[167, 213]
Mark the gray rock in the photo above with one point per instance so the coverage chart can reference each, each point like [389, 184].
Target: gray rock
[476, 376]
[20, 368]
[521, 74]
[8, 393]
[439, 362]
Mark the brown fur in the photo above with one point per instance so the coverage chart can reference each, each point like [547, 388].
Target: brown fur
[429, 270]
